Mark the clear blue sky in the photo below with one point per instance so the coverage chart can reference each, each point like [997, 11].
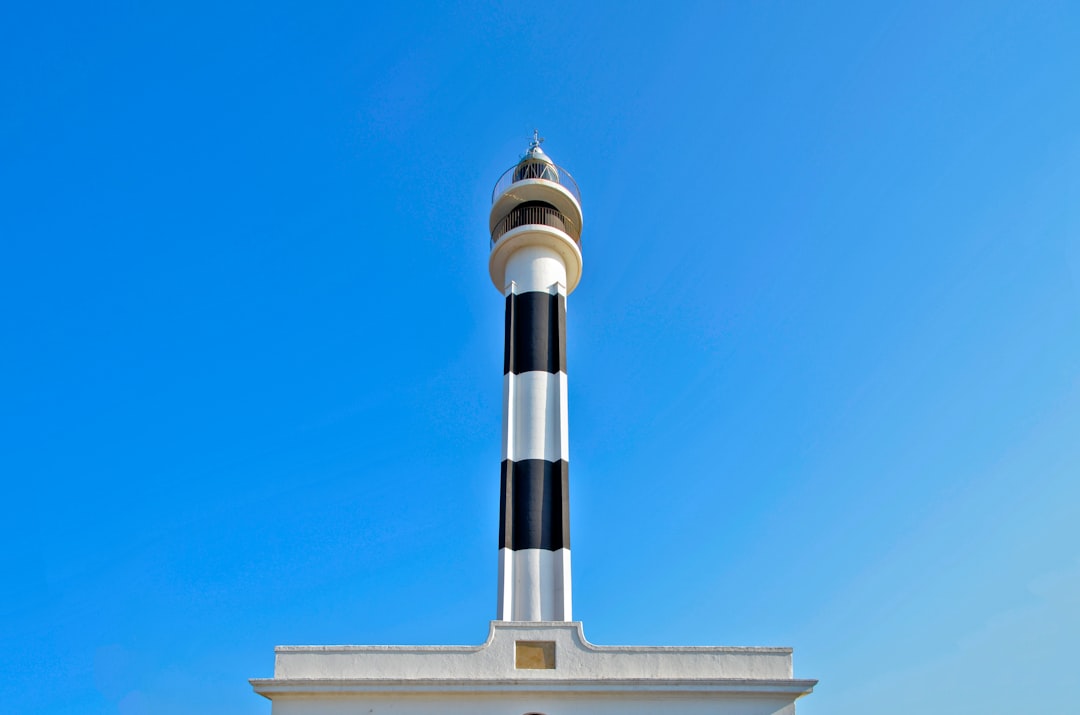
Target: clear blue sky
[824, 359]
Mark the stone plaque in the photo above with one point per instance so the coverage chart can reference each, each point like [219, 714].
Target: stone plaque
[534, 655]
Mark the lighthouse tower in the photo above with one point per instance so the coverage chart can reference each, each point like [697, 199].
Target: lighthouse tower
[535, 659]
[535, 262]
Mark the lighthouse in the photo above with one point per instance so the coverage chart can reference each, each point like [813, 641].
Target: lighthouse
[535, 263]
[535, 659]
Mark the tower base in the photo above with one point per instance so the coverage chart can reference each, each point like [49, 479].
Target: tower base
[532, 669]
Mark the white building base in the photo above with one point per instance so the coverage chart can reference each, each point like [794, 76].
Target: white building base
[545, 668]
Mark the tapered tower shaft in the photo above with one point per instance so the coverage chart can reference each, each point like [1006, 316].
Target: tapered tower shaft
[536, 262]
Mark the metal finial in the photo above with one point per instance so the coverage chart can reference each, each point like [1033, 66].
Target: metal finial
[537, 140]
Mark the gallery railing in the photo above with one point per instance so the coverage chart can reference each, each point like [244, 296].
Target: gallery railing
[536, 170]
[536, 215]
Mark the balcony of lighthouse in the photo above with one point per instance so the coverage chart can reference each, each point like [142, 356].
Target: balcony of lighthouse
[536, 170]
[536, 213]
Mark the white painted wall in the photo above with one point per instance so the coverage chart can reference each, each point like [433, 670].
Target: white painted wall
[633, 680]
[535, 585]
[494, 659]
[535, 416]
[535, 268]
[520, 704]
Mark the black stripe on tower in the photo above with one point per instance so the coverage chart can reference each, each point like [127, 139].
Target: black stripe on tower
[535, 333]
[534, 505]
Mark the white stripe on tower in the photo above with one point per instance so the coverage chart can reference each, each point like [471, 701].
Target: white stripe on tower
[536, 262]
